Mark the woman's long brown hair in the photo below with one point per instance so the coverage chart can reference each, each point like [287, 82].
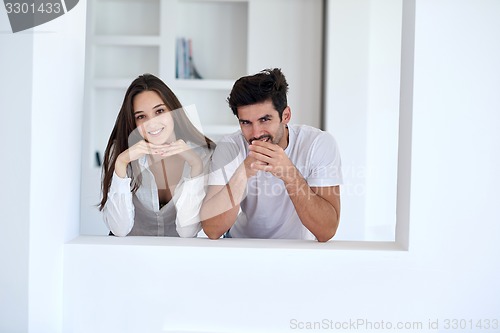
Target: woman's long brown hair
[123, 132]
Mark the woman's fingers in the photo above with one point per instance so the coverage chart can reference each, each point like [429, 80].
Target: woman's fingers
[173, 148]
[168, 149]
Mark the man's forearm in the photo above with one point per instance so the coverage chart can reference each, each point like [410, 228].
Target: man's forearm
[316, 213]
[216, 226]
[220, 210]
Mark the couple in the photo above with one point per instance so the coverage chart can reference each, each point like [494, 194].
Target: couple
[270, 179]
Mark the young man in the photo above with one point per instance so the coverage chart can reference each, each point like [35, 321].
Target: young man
[272, 179]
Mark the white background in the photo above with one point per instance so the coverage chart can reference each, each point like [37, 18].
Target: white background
[450, 271]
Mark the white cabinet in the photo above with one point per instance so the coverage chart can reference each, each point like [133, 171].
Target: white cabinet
[230, 39]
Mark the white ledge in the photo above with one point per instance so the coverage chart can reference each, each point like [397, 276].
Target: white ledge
[238, 243]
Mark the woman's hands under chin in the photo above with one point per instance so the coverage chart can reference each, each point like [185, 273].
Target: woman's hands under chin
[135, 152]
[142, 148]
[187, 153]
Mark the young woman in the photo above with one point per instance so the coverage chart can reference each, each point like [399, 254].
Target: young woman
[154, 165]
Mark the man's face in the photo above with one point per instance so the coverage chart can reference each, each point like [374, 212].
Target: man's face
[262, 122]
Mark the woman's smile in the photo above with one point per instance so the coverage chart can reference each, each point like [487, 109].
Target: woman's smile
[156, 132]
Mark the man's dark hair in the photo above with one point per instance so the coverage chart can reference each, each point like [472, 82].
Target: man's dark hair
[268, 84]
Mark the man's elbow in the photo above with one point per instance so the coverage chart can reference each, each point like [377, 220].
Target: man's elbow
[326, 236]
[211, 231]
[212, 234]
[324, 239]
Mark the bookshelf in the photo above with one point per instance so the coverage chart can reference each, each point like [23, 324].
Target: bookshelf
[230, 38]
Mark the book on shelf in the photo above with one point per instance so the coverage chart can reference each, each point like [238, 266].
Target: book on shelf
[184, 65]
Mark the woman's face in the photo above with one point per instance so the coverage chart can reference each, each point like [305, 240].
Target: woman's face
[153, 118]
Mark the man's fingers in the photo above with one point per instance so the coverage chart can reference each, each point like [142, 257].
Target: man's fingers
[264, 144]
[256, 151]
[261, 157]
[261, 166]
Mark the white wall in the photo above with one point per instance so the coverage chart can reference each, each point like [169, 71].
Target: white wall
[346, 104]
[382, 118]
[42, 98]
[363, 57]
[16, 65]
[165, 285]
[58, 52]
[298, 18]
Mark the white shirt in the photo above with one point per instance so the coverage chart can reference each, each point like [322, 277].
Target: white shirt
[139, 213]
[267, 211]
